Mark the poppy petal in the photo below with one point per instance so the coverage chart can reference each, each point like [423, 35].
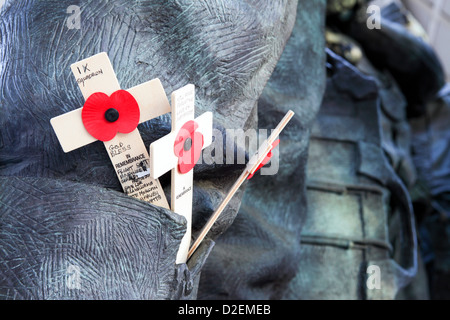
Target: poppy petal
[266, 159]
[188, 158]
[182, 135]
[128, 108]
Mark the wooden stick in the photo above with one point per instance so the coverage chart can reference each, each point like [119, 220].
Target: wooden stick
[252, 166]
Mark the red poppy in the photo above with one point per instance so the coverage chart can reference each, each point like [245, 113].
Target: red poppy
[266, 159]
[104, 116]
[188, 146]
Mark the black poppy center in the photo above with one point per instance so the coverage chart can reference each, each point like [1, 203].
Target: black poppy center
[187, 144]
[111, 115]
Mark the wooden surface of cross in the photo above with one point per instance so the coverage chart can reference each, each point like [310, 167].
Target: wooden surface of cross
[163, 157]
[127, 152]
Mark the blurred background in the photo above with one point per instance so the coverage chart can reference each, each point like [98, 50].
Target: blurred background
[434, 16]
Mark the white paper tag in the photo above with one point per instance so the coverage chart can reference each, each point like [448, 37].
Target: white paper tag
[131, 162]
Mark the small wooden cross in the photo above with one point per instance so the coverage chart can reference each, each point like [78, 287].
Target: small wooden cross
[128, 153]
[259, 159]
[179, 151]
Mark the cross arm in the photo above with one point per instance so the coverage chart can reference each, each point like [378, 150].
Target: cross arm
[70, 130]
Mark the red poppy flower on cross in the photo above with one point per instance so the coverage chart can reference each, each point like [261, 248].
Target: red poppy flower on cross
[104, 116]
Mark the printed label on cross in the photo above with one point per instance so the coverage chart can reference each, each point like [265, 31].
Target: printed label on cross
[112, 115]
[179, 151]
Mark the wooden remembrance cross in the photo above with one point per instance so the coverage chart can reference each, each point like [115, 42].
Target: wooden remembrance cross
[109, 108]
[179, 151]
[258, 160]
